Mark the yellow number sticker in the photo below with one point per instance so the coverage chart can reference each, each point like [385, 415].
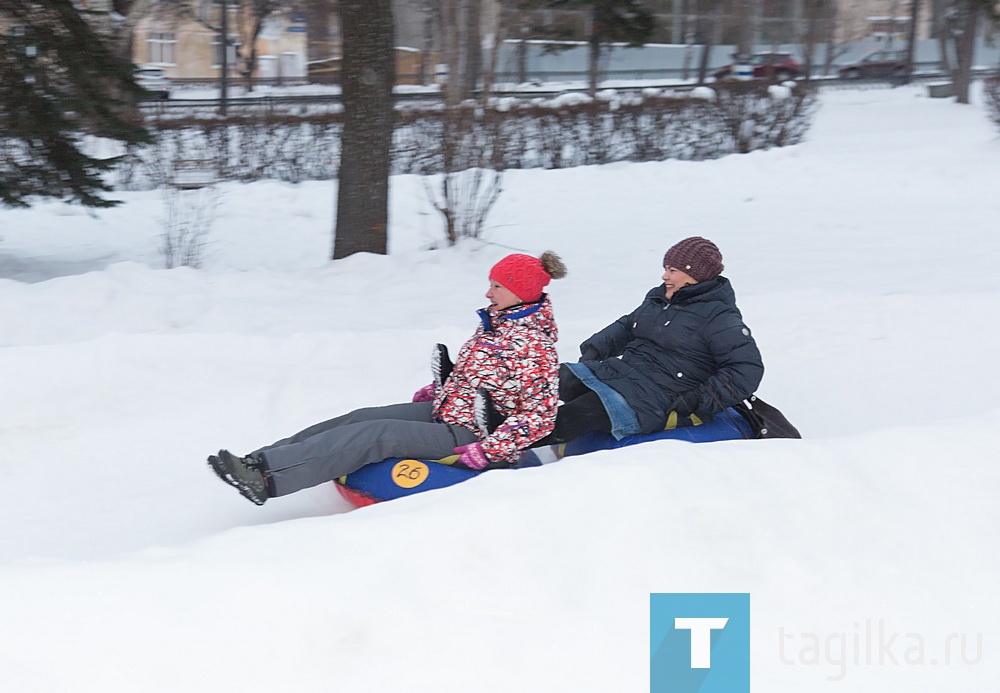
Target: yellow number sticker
[409, 473]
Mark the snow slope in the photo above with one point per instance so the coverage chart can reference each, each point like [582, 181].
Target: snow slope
[863, 259]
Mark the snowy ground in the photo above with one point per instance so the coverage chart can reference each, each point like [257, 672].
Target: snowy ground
[864, 260]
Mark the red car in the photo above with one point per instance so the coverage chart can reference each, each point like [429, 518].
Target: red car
[877, 64]
[768, 66]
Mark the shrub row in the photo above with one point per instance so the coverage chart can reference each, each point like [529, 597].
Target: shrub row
[507, 134]
[991, 98]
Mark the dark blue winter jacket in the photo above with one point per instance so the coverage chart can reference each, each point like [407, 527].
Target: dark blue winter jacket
[696, 341]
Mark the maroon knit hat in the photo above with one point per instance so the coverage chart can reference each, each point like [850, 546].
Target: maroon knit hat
[526, 276]
[697, 256]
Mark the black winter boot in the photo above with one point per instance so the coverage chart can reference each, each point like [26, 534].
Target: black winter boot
[245, 474]
[488, 419]
[441, 365]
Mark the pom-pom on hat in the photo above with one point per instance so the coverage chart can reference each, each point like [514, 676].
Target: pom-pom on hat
[697, 256]
[527, 276]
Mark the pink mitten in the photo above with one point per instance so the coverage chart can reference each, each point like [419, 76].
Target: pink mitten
[472, 456]
[424, 394]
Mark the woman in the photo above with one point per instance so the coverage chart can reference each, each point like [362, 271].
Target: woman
[511, 356]
[680, 358]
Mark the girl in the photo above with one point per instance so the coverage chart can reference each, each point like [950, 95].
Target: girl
[511, 357]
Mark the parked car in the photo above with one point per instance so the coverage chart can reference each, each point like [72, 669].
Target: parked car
[768, 66]
[154, 80]
[877, 64]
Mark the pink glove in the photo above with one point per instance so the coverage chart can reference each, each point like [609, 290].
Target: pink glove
[472, 456]
[424, 394]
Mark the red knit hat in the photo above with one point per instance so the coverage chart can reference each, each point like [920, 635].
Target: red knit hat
[697, 256]
[526, 276]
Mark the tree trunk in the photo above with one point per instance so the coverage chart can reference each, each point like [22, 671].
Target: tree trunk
[450, 17]
[813, 10]
[368, 73]
[689, 36]
[748, 31]
[965, 45]
[892, 25]
[944, 60]
[831, 41]
[123, 41]
[594, 67]
[473, 47]
[709, 29]
[941, 30]
[504, 21]
[224, 62]
[912, 38]
[250, 60]
[428, 48]
[522, 54]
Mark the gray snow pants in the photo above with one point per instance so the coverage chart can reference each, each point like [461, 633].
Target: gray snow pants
[329, 450]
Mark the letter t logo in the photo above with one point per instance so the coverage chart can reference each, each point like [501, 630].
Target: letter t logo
[701, 638]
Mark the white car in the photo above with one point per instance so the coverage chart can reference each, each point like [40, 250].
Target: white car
[154, 80]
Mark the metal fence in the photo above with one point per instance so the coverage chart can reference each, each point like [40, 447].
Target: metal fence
[264, 104]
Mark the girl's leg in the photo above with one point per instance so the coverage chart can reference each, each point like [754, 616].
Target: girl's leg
[342, 449]
[407, 411]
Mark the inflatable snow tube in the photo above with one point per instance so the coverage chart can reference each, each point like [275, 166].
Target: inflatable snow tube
[397, 477]
[729, 425]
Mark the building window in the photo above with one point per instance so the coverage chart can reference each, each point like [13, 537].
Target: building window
[161, 48]
[217, 51]
[888, 28]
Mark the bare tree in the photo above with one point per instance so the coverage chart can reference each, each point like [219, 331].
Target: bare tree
[133, 12]
[852, 31]
[460, 46]
[449, 23]
[472, 145]
[471, 152]
[893, 11]
[253, 14]
[961, 28]
[911, 39]
[610, 21]
[473, 45]
[190, 200]
[688, 34]
[749, 13]
[430, 9]
[622, 21]
[506, 21]
[939, 9]
[516, 20]
[709, 27]
[368, 73]
[963, 25]
[816, 11]
[520, 21]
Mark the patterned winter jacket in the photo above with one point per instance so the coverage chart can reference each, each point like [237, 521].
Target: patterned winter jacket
[512, 356]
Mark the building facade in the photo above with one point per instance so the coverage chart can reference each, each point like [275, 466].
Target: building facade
[191, 48]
